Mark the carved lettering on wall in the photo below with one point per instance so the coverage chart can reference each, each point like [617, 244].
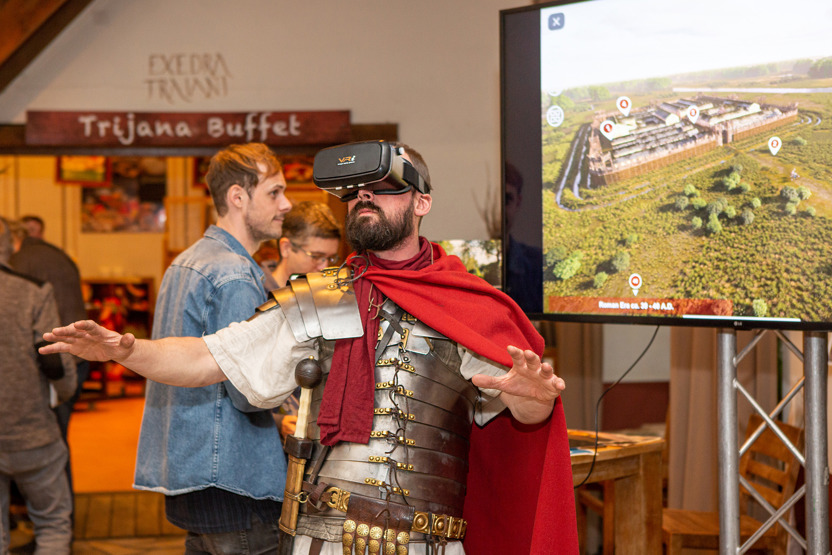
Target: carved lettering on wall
[184, 77]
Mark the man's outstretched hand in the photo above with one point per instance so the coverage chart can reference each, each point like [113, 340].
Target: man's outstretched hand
[529, 389]
[90, 341]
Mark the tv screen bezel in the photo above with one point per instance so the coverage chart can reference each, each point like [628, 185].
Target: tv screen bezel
[519, 38]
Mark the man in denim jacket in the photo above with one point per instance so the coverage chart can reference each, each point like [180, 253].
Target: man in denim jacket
[218, 460]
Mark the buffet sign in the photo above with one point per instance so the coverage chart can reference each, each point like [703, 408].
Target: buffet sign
[186, 129]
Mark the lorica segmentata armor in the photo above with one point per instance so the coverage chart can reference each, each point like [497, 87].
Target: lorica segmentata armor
[417, 455]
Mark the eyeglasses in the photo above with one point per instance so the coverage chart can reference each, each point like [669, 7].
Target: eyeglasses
[316, 256]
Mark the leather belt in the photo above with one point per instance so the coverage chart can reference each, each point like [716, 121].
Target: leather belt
[443, 526]
[426, 487]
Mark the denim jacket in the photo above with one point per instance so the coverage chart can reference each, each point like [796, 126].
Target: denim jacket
[193, 438]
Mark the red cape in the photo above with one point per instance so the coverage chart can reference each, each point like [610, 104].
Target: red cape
[520, 497]
[519, 492]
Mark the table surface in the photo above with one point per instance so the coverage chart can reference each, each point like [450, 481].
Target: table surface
[611, 446]
[634, 463]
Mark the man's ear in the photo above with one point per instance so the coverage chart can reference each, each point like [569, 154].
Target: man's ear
[284, 245]
[423, 204]
[236, 196]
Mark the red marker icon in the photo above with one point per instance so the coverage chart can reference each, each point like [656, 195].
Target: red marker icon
[607, 129]
[624, 104]
[635, 283]
[693, 114]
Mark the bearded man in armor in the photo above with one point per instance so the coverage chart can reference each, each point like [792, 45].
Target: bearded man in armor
[416, 356]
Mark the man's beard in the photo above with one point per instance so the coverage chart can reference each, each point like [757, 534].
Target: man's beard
[382, 235]
[259, 231]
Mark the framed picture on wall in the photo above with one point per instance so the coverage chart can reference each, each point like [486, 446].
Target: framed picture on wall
[92, 171]
[201, 164]
[132, 202]
[297, 169]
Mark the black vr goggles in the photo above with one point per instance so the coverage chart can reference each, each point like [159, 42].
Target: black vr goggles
[344, 170]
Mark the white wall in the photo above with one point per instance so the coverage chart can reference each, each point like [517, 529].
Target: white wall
[622, 346]
[432, 66]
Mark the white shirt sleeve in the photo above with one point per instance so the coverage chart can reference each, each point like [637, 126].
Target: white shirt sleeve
[258, 356]
[490, 403]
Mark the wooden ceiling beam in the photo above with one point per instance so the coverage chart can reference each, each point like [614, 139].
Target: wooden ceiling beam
[28, 28]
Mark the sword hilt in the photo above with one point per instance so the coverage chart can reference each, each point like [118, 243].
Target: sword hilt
[308, 374]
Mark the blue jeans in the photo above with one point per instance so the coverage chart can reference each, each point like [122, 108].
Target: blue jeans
[261, 538]
[40, 475]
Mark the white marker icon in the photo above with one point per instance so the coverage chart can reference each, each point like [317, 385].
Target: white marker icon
[635, 283]
[554, 116]
[624, 105]
[774, 145]
[693, 114]
[607, 127]
[555, 92]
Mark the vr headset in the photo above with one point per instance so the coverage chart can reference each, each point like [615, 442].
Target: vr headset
[344, 170]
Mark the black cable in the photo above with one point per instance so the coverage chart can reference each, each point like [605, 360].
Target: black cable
[598, 405]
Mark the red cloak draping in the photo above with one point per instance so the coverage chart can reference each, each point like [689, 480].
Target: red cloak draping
[520, 497]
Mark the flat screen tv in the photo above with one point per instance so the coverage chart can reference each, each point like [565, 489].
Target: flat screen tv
[669, 162]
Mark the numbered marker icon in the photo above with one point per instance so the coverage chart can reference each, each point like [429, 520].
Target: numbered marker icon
[554, 116]
[635, 283]
[607, 129]
[693, 114]
[774, 145]
[624, 105]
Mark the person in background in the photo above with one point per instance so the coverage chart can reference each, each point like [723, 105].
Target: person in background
[310, 242]
[46, 262]
[524, 266]
[34, 225]
[32, 453]
[217, 459]
[267, 256]
[420, 350]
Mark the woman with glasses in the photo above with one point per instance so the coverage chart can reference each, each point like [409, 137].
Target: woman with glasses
[310, 242]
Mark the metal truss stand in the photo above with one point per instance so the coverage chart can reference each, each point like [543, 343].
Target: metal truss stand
[813, 382]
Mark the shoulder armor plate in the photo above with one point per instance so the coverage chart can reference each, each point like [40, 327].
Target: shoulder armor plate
[316, 306]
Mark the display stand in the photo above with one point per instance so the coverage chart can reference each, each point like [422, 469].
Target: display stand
[813, 383]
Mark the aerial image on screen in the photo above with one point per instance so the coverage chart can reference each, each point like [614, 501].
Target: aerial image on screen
[687, 159]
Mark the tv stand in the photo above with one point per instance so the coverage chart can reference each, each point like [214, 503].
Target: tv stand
[814, 382]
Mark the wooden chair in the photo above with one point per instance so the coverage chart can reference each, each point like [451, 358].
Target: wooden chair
[771, 468]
